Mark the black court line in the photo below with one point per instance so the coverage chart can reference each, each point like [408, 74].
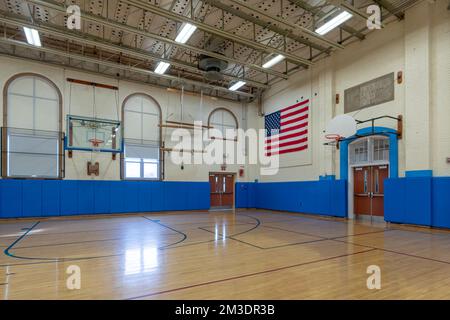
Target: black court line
[395, 252]
[327, 238]
[248, 275]
[52, 260]
[170, 228]
[232, 237]
[258, 223]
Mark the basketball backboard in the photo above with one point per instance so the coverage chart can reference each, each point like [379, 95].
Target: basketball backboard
[92, 134]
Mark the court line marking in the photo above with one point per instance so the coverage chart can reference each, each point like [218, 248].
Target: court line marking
[170, 228]
[372, 247]
[258, 223]
[6, 251]
[232, 237]
[248, 275]
[393, 251]
[50, 260]
[332, 239]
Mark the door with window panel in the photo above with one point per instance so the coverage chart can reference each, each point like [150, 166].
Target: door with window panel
[369, 158]
[221, 190]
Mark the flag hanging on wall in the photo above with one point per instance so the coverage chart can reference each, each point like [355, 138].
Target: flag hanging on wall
[287, 129]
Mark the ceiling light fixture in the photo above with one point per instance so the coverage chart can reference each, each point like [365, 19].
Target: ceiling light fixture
[236, 86]
[162, 67]
[185, 33]
[273, 61]
[32, 36]
[333, 23]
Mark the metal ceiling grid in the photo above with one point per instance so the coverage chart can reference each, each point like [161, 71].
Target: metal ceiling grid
[129, 37]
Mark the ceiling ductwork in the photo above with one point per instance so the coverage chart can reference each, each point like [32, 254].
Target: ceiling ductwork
[213, 67]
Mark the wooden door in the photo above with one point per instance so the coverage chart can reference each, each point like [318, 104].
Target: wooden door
[379, 173]
[221, 190]
[215, 193]
[369, 189]
[227, 190]
[361, 190]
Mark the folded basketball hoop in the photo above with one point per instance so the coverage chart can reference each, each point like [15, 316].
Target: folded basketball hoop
[95, 142]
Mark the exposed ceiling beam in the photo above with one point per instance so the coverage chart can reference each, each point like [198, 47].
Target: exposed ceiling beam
[97, 42]
[118, 66]
[292, 26]
[390, 8]
[220, 33]
[120, 26]
[353, 10]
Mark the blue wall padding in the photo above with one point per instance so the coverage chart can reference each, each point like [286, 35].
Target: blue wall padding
[418, 173]
[441, 202]
[418, 200]
[35, 198]
[326, 197]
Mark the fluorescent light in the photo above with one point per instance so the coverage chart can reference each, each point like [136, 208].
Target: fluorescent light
[333, 23]
[185, 33]
[162, 67]
[273, 61]
[32, 36]
[236, 86]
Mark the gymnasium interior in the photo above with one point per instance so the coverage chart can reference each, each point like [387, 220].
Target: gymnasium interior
[225, 149]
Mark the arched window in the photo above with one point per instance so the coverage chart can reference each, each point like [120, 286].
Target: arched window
[222, 119]
[32, 128]
[373, 149]
[142, 137]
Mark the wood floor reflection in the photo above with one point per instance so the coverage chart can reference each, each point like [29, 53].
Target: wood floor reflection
[248, 254]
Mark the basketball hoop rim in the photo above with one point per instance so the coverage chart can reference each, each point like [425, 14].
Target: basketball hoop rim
[96, 142]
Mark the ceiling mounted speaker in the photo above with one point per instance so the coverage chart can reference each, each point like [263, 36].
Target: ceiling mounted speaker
[213, 67]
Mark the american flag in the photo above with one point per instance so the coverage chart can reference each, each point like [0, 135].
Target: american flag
[287, 129]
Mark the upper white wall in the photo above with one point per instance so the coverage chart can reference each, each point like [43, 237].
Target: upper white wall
[78, 100]
[409, 46]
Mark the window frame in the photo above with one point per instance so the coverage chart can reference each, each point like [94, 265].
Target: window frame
[4, 135]
[369, 140]
[225, 110]
[160, 152]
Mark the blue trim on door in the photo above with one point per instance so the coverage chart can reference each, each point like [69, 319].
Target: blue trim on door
[393, 149]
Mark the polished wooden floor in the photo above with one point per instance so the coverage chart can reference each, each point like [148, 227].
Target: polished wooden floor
[249, 254]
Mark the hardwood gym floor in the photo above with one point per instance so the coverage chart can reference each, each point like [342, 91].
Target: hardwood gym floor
[253, 254]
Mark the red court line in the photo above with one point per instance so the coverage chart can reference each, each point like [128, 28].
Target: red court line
[249, 275]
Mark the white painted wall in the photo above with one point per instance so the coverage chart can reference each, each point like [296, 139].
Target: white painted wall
[78, 100]
[419, 46]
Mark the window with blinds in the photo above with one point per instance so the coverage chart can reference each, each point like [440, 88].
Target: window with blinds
[141, 138]
[33, 138]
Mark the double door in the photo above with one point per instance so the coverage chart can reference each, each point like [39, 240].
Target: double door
[221, 190]
[369, 189]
